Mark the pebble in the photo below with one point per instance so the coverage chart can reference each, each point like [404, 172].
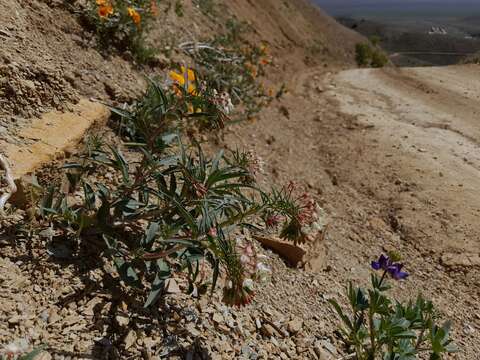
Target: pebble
[268, 330]
[218, 318]
[294, 326]
[130, 339]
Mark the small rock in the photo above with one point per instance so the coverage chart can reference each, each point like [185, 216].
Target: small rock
[468, 329]
[218, 318]
[248, 352]
[53, 317]
[122, 320]
[130, 339]
[268, 330]
[171, 287]
[44, 355]
[328, 346]
[294, 326]
[14, 320]
[322, 354]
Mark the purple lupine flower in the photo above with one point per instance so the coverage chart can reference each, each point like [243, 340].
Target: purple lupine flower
[383, 263]
[395, 271]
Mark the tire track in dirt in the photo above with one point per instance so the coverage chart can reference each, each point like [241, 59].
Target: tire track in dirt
[429, 130]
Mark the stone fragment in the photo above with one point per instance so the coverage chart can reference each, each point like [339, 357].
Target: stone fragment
[268, 330]
[130, 339]
[294, 326]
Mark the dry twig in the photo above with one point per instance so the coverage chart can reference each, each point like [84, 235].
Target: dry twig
[12, 188]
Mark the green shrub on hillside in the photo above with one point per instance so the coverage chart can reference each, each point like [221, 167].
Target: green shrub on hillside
[368, 56]
[229, 63]
[163, 207]
[363, 54]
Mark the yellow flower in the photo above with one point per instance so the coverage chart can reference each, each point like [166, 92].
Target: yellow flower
[186, 76]
[134, 15]
[264, 49]
[252, 69]
[105, 9]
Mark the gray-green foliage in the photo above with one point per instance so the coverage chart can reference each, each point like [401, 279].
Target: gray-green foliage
[379, 327]
[169, 206]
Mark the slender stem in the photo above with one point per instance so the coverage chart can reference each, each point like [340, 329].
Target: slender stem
[382, 278]
[372, 334]
[162, 254]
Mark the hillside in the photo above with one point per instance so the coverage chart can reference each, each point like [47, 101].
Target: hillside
[372, 160]
[53, 67]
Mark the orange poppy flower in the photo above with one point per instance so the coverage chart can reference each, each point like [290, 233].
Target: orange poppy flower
[136, 18]
[105, 10]
[264, 61]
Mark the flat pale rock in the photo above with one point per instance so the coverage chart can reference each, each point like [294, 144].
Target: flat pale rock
[50, 137]
[292, 254]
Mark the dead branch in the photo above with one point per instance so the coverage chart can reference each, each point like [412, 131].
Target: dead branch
[12, 188]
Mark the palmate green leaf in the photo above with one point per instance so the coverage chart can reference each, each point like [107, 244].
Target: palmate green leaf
[357, 297]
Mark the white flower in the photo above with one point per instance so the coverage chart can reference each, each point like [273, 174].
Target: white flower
[262, 268]
[223, 101]
[248, 284]
[16, 347]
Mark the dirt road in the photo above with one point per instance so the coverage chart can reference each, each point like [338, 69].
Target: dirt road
[426, 123]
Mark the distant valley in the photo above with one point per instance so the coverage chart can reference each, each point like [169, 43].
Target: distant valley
[413, 32]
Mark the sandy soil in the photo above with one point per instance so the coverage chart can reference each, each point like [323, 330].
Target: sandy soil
[425, 121]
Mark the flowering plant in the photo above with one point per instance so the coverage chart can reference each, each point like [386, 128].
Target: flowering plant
[123, 24]
[166, 207]
[382, 328]
[297, 212]
[232, 66]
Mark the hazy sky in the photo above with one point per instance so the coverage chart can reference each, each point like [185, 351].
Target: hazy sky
[391, 7]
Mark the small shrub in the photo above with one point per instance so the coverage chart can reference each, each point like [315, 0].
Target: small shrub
[381, 328]
[167, 207]
[207, 7]
[230, 64]
[179, 8]
[363, 54]
[379, 59]
[123, 24]
[366, 55]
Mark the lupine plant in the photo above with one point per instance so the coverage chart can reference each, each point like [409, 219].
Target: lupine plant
[123, 24]
[379, 327]
[166, 207]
